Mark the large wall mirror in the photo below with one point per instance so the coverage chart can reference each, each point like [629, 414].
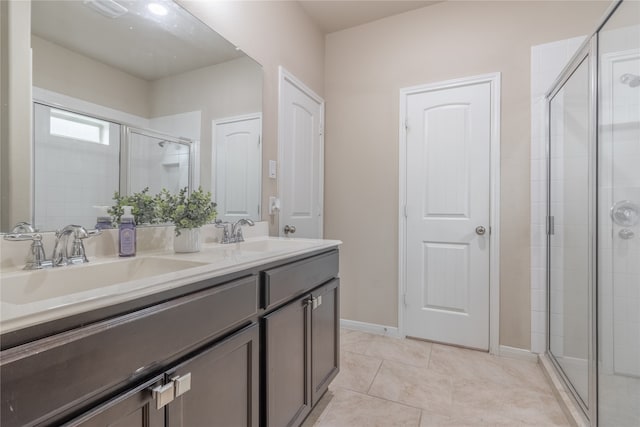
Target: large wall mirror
[129, 94]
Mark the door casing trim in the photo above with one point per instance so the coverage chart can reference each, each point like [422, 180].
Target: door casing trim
[494, 215]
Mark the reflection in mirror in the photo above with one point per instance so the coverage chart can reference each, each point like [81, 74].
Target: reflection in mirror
[168, 73]
[237, 167]
[76, 166]
[157, 162]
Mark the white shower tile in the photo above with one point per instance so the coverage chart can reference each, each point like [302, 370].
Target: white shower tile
[538, 342]
[538, 322]
[539, 300]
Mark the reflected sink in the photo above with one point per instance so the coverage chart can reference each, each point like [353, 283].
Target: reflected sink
[273, 245]
[23, 287]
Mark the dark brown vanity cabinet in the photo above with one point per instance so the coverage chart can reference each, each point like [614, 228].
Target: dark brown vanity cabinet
[51, 380]
[257, 348]
[224, 385]
[325, 338]
[216, 387]
[301, 340]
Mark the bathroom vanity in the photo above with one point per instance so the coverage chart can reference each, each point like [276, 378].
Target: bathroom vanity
[246, 340]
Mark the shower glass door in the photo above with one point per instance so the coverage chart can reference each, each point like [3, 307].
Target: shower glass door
[619, 218]
[569, 230]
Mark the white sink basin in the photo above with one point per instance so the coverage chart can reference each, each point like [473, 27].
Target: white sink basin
[273, 245]
[27, 287]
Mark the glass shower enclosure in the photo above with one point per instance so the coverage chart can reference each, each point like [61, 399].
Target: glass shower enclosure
[593, 221]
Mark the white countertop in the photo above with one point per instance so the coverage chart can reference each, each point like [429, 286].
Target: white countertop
[24, 305]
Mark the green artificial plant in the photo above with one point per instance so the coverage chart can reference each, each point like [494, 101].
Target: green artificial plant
[186, 210]
[144, 207]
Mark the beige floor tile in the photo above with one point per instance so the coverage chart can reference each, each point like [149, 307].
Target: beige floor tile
[351, 409]
[496, 403]
[411, 385]
[356, 371]
[407, 351]
[319, 409]
[460, 416]
[476, 366]
[355, 341]
[450, 385]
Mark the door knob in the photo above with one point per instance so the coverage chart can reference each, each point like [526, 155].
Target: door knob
[289, 229]
[480, 230]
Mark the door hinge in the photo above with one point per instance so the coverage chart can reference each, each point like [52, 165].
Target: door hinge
[259, 139]
[404, 299]
[406, 125]
[406, 214]
[550, 225]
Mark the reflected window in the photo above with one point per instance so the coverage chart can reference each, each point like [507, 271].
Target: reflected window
[78, 127]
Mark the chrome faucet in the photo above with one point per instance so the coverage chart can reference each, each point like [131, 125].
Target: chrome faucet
[61, 255]
[236, 230]
[36, 258]
[225, 230]
[232, 233]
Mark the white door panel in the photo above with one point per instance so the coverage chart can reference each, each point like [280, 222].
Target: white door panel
[238, 159]
[301, 160]
[448, 182]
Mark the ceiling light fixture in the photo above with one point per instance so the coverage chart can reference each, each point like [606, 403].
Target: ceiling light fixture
[157, 9]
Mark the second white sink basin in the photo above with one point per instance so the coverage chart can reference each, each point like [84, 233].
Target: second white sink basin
[273, 245]
[27, 287]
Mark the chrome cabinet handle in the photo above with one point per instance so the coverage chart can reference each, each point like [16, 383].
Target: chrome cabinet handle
[182, 383]
[163, 395]
[480, 230]
[289, 229]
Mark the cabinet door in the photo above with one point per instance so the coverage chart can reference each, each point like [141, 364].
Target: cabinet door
[134, 408]
[287, 361]
[325, 336]
[221, 387]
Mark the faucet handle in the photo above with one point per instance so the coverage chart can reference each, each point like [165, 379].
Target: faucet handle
[225, 229]
[23, 227]
[19, 237]
[36, 259]
[78, 254]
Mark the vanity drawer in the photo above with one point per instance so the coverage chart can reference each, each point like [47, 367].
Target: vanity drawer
[44, 379]
[283, 283]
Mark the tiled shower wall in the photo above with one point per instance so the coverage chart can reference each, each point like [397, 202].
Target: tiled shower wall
[619, 180]
[547, 61]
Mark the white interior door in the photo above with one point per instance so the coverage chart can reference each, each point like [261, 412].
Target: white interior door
[237, 170]
[448, 143]
[301, 158]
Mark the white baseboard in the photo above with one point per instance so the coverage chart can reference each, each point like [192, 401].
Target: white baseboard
[372, 328]
[517, 353]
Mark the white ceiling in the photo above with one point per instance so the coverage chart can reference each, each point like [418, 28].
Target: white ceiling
[335, 15]
[138, 42]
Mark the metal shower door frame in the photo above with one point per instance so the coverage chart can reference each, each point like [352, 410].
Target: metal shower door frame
[588, 51]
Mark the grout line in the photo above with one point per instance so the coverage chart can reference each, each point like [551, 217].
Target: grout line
[429, 356]
[374, 377]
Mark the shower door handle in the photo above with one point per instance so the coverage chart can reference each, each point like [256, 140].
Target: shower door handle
[480, 230]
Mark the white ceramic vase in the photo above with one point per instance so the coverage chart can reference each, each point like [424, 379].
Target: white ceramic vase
[187, 241]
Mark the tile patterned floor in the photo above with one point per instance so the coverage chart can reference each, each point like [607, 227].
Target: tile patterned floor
[391, 382]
